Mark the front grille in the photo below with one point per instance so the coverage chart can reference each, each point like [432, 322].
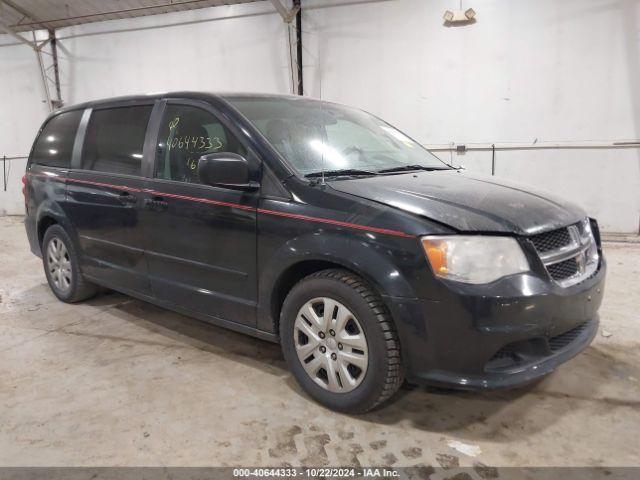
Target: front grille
[533, 350]
[562, 270]
[553, 240]
[565, 339]
[505, 358]
[569, 254]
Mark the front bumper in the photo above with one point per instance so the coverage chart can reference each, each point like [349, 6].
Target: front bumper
[508, 334]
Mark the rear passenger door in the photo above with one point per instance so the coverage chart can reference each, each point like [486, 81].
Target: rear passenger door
[201, 240]
[104, 195]
[49, 165]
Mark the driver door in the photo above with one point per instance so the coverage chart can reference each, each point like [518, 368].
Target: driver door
[201, 240]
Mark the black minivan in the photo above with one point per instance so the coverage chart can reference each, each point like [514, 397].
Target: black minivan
[318, 226]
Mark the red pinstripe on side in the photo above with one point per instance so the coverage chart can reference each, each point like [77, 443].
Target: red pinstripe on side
[338, 223]
[108, 185]
[201, 200]
[263, 211]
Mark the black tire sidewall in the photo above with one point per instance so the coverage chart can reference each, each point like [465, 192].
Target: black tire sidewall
[61, 234]
[367, 393]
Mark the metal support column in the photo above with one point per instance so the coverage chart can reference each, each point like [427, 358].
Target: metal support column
[53, 41]
[38, 48]
[43, 74]
[296, 5]
[294, 65]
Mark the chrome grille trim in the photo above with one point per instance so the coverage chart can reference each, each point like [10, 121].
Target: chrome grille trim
[568, 251]
[581, 249]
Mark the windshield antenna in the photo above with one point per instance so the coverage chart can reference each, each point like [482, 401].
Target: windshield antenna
[322, 182]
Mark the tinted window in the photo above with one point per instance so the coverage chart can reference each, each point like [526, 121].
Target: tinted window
[115, 139]
[187, 133]
[55, 144]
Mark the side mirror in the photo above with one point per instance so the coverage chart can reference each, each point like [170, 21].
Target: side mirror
[225, 170]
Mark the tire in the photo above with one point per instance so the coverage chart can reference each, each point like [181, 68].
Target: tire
[62, 267]
[367, 373]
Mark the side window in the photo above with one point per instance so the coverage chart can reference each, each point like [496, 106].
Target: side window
[187, 133]
[115, 139]
[55, 144]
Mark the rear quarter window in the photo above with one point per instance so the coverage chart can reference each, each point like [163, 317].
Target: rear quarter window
[54, 145]
[115, 139]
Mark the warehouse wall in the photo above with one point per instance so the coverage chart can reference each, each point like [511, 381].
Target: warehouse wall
[21, 113]
[229, 48]
[525, 72]
[234, 48]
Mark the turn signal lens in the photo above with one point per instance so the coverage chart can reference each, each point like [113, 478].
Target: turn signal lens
[474, 258]
[437, 254]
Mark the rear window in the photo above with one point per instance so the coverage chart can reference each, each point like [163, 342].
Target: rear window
[115, 139]
[54, 146]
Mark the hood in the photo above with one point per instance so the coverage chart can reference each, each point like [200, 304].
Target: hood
[466, 202]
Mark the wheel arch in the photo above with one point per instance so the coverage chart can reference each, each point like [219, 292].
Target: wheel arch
[51, 213]
[284, 270]
[43, 225]
[291, 276]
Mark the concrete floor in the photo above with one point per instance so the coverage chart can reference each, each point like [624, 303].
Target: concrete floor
[115, 381]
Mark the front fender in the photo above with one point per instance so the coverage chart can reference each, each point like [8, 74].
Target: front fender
[375, 262]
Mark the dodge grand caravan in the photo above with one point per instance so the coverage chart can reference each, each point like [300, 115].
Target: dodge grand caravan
[320, 227]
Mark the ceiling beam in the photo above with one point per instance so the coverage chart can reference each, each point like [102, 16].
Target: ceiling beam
[35, 21]
[126, 12]
[7, 29]
[286, 14]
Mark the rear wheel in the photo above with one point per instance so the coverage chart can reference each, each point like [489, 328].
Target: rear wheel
[61, 266]
[340, 342]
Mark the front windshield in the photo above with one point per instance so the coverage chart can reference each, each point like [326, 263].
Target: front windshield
[315, 136]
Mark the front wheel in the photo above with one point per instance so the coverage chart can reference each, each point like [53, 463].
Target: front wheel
[340, 342]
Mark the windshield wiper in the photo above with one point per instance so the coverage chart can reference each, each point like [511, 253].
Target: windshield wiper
[409, 168]
[344, 171]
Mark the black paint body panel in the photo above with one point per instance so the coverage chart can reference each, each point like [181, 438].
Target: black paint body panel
[467, 202]
[108, 228]
[222, 255]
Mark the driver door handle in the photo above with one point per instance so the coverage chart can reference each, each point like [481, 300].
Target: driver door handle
[127, 198]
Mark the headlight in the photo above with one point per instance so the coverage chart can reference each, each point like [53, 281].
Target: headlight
[474, 258]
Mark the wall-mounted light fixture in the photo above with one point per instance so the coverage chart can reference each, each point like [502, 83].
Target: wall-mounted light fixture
[459, 17]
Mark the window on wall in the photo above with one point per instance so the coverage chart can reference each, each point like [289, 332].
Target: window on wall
[187, 133]
[54, 146]
[115, 139]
